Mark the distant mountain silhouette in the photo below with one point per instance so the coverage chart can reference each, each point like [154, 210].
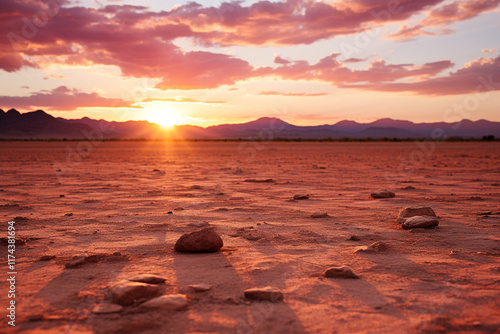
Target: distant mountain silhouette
[40, 125]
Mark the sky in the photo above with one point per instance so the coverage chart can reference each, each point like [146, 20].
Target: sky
[212, 62]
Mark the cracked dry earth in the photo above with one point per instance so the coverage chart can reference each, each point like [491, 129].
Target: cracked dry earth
[138, 198]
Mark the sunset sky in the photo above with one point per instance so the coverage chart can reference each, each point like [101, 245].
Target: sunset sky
[210, 62]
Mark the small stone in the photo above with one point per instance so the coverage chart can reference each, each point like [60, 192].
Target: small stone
[167, 302]
[198, 224]
[47, 257]
[179, 208]
[375, 247]
[169, 213]
[319, 215]
[61, 195]
[125, 293]
[107, 308]
[82, 259]
[409, 188]
[340, 272]
[411, 211]
[420, 222]
[200, 241]
[200, 287]
[485, 213]
[147, 278]
[265, 293]
[382, 194]
[354, 238]
[69, 214]
[300, 197]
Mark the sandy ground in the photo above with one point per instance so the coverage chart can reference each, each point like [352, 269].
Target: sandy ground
[117, 199]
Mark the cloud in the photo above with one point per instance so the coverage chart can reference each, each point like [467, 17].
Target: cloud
[181, 99]
[63, 98]
[291, 94]
[53, 76]
[447, 14]
[489, 50]
[479, 75]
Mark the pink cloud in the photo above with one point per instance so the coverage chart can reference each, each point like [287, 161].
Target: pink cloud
[479, 75]
[62, 98]
[445, 15]
[489, 50]
[291, 94]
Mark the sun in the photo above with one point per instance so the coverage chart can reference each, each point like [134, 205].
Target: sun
[165, 118]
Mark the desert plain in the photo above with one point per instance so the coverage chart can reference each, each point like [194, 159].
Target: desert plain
[129, 202]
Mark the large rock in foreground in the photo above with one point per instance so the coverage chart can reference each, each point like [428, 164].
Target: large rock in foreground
[267, 293]
[126, 293]
[201, 241]
[412, 211]
[420, 222]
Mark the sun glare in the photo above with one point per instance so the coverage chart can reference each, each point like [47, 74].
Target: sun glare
[165, 118]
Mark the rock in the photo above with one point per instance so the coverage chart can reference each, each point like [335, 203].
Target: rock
[198, 224]
[196, 186]
[179, 208]
[354, 238]
[340, 272]
[167, 302]
[147, 278]
[107, 308]
[411, 211]
[375, 247]
[319, 215]
[200, 287]
[82, 259]
[47, 258]
[265, 293]
[260, 180]
[382, 194]
[125, 293]
[409, 188]
[300, 197]
[420, 222]
[200, 241]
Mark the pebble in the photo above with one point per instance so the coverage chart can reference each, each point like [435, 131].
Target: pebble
[375, 247]
[107, 308]
[200, 241]
[319, 215]
[300, 197]
[125, 293]
[200, 287]
[47, 258]
[411, 211]
[340, 272]
[382, 194]
[82, 259]
[147, 278]
[198, 224]
[167, 302]
[420, 222]
[265, 293]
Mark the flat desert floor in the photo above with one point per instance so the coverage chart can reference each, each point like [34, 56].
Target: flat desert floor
[69, 198]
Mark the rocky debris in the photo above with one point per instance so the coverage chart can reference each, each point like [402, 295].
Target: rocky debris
[179, 208]
[167, 302]
[320, 215]
[300, 197]
[196, 186]
[340, 272]
[200, 241]
[126, 293]
[147, 278]
[411, 211]
[485, 213]
[260, 180]
[19, 219]
[354, 238]
[106, 308]
[409, 188]
[69, 214]
[200, 287]
[198, 224]
[265, 293]
[375, 247]
[420, 222]
[382, 194]
[47, 258]
[82, 259]
[238, 170]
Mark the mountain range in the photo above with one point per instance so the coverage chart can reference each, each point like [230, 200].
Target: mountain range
[40, 125]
